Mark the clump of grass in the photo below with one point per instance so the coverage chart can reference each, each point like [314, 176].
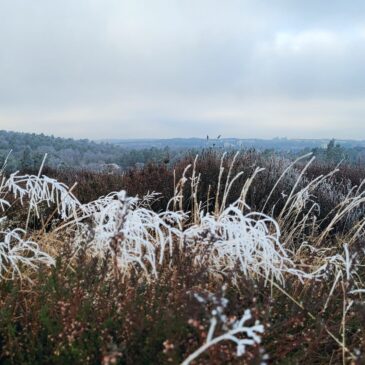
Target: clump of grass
[111, 278]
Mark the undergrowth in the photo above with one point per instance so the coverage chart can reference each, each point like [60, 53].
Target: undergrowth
[240, 259]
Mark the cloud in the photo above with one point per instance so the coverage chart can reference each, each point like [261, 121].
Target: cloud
[310, 40]
[148, 69]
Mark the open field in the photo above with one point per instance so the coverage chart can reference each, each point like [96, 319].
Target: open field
[219, 259]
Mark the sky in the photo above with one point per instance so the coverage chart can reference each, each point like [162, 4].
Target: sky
[183, 68]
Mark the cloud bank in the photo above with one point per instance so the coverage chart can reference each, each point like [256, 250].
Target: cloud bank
[167, 68]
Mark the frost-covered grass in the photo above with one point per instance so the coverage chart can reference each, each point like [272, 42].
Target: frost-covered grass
[140, 239]
[17, 253]
[115, 280]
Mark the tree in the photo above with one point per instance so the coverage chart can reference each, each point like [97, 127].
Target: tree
[26, 162]
[334, 152]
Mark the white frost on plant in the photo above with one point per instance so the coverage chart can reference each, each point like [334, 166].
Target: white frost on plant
[137, 236]
[141, 238]
[39, 190]
[344, 268]
[16, 252]
[236, 331]
[250, 242]
[340, 265]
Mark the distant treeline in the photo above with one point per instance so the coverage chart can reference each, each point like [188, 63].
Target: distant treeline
[29, 149]
[336, 153]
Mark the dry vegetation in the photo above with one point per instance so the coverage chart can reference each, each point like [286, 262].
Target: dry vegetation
[240, 259]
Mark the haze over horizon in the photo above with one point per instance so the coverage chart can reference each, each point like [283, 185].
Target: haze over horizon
[140, 69]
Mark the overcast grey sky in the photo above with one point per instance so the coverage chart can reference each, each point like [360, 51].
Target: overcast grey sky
[181, 68]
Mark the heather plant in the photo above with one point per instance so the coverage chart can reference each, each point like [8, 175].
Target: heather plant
[111, 278]
[232, 328]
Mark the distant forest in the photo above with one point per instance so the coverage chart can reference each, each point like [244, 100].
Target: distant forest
[28, 150]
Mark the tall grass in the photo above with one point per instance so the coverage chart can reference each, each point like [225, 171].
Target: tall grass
[278, 234]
